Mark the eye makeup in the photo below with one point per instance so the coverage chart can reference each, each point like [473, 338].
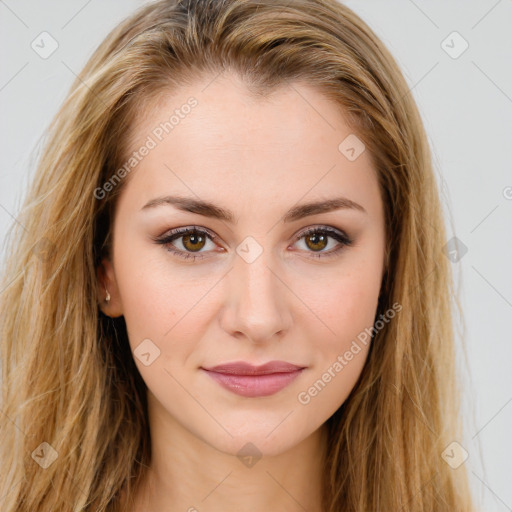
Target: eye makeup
[198, 235]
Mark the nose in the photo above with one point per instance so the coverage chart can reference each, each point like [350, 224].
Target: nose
[257, 301]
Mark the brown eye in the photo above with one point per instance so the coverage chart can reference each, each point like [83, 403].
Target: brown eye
[194, 241]
[316, 241]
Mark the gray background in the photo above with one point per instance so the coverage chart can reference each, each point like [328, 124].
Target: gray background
[466, 104]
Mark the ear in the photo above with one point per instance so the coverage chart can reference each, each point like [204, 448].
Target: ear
[107, 282]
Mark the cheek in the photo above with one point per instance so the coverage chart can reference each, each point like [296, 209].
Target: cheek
[152, 302]
[345, 302]
[353, 306]
[163, 304]
[348, 310]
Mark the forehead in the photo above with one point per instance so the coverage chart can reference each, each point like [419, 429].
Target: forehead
[221, 114]
[214, 138]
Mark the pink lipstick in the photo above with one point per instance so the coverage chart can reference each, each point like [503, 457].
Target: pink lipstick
[254, 381]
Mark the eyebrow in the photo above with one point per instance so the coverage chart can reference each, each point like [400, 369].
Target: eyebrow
[208, 209]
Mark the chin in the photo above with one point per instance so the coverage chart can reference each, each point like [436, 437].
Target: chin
[257, 437]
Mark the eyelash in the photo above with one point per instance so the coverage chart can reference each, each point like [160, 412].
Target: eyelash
[177, 233]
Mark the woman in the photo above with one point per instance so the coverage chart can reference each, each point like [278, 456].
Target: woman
[231, 293]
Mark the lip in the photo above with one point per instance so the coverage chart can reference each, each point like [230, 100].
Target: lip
[252, 381]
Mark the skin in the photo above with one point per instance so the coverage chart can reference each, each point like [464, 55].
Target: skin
[258, 158]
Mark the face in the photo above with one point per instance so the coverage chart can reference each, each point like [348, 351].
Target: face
[262, 278]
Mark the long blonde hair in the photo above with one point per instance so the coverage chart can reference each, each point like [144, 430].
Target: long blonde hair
[68, 376]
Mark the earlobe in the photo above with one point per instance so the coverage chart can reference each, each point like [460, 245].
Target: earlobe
[109, 300]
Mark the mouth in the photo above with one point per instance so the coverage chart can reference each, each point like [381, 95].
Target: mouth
[252, 381]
